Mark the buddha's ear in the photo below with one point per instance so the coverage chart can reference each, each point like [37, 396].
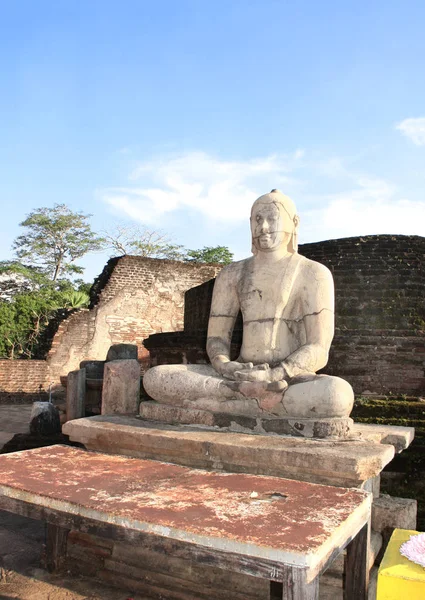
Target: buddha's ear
[296, 221]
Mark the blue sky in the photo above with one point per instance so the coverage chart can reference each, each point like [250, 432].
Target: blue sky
[178, 114]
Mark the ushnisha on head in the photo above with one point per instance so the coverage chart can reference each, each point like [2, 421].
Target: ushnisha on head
[274, 223]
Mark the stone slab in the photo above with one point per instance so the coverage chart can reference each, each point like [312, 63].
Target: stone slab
[121, 387]
[279, 520]
[345, 463]
[397, 436]
[317, 428]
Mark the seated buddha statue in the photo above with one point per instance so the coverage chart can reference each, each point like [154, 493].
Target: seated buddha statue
[287, 305]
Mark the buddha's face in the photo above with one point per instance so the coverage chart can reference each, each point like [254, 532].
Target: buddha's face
[267, 227]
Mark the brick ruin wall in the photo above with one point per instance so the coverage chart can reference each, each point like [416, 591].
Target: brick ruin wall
[131, 299]
[379, 343]
[24, 379]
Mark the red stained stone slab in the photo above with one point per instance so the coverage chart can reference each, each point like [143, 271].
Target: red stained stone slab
[265, 516]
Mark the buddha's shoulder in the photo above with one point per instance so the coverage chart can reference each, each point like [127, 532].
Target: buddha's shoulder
[313, 268]
[234, 270]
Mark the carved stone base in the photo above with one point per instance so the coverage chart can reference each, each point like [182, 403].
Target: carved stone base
[309, 428]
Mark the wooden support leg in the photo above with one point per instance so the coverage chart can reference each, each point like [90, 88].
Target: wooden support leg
[56, 538]
[294, 586]
[356, 571]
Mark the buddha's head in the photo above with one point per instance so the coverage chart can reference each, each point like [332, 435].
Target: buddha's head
[274, 223]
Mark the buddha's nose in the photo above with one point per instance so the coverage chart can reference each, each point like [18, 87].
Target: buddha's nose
[265, 226]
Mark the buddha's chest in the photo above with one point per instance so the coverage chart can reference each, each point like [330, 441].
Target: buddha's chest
[260, 294]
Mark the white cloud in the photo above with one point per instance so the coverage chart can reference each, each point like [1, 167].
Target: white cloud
[414, 129]
[370, 207]
[222, 190]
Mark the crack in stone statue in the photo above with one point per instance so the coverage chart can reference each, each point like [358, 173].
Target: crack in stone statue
[287, 305]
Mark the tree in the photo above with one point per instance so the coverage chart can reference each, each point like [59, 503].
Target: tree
[210, 254]
[141, 241]
[55, 238]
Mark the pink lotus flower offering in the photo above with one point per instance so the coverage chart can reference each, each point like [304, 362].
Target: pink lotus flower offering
[414, 549]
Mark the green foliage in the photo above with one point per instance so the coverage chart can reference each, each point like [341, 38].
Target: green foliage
[14, 267]
[25, 317]
[54, 239]
[23, 320]
[210, 254]
[75, 299]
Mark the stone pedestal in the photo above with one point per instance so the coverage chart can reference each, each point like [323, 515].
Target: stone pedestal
[338, 428]
[121, 387]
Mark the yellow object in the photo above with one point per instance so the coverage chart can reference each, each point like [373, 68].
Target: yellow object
[398, 577]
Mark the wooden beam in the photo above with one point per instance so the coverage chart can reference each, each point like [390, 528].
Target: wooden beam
[356, 571]
[56, 540]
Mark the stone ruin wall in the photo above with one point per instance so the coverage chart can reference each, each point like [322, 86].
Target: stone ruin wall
[379, 343]
[131, 299]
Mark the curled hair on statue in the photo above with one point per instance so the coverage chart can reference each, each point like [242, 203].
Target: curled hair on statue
[286, 207]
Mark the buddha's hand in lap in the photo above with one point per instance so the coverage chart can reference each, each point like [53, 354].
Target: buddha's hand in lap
[228, 369]
[258, 379]
[262, 373]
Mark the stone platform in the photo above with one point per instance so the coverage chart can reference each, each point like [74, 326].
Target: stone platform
[351, 463]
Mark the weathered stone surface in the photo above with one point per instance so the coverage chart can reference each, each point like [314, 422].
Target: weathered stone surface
[75, 394]
[318, 428]
[346, 463]
[122, 352]
[121, 387]
[394, 513]
[44, 419]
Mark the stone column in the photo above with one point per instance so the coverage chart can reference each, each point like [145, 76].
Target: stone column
[76, 394]
[121, 387]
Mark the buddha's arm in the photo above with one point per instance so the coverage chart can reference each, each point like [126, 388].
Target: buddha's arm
[224, 310]
[319, 325]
